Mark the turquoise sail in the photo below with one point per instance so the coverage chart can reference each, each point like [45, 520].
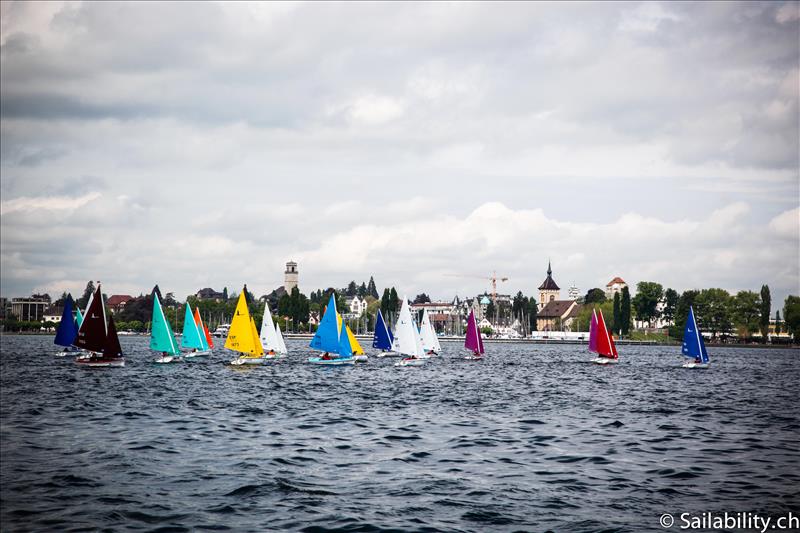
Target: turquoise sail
[191, 336]
[327, 337]
[78, 316]
[161, 336]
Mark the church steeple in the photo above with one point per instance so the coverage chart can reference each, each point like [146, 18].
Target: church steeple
[548, 290]
[549, 270]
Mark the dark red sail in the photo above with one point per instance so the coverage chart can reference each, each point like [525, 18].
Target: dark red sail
[112, 349]
[92, 333]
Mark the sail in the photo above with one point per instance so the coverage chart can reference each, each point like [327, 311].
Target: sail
[693, 345]
[92, 333]
[259, 349]
[201, 328]
[473, 340]
[85, 311]
[269, 337]
[407, 339]
[161, 337]
[112, 349]
[281, 344]
[593, 332]
[605, 343]
[429, 340]
[191, 334]
[240, 335]
[345, 348]
[67, 329]
[354, 345]
[209, 338]
[327, 337]
[382, 339]
[78, 316]
[391, 335]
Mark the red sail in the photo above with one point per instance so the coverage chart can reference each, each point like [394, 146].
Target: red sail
[605, 344]
[209, 338]
[92, 333]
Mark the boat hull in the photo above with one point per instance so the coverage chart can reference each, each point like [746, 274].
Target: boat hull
[474, 358]
[100, 363]
[69, 353]
[166, 360]
[692, 364]
[248, 361]
[388, 354]
[605, 361]
[331, 362]
[360, 358]
[410, 362]
[203, 353]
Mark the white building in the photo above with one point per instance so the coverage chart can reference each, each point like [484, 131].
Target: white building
[615, 286]
[290, 276]
[357, 306]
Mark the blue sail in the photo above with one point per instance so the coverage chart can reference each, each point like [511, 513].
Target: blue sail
[67, 329]
[327, 336]
[382, 338]
[191, 336]
[693, 345]
[345, 350]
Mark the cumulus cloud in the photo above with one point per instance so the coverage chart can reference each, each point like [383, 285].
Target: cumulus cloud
[46, 202]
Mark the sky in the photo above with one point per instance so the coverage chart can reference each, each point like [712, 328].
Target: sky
[425, 144]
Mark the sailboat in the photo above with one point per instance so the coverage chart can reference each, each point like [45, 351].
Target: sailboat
[282, 350]
[67, 331]
[473, 341]
[243, 336]
[269, 335]
[430, 341]
[382, 339]
[358, 352]
[331, 339]
[693, 345]
[192, 336]
[209, 341]
[98, 336]
[79, 319]
[162, 339]
[600, 341]
[407, 341]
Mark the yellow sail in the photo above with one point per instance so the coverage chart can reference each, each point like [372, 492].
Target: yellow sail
[339, 322]
[240, 336]
[357, 349]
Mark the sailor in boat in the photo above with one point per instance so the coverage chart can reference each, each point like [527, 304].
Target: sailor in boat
[326, 357]
[271, 352]
[697, 360]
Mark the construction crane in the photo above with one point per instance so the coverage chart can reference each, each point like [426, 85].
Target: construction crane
[493, 278]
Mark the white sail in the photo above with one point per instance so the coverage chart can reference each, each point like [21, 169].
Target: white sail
[406, 340]
[269, 338]
[281, 344]
[429, 339]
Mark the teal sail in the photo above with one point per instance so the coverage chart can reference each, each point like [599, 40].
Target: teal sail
[327, 336]
[693, 345]
[78, 316]
[191, 336]
[161, 336]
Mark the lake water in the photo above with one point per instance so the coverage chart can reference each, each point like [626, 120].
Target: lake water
[530, 439]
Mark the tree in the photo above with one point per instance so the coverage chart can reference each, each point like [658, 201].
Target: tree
[594, 296]
[645, 303]
[422, 299]
[362, 290]
[533, 310]
[685, 301]
[490, 312]
[385, 303]
[766, 308]
[394, 302]
[713, 308]
[616, 324]
[791, 316]
[625, 311]
[225, 294]
[372, 290]
[670, 305]
[745, 309]
[84, 300]
[249, 297]
[777, 322]
[352, 289]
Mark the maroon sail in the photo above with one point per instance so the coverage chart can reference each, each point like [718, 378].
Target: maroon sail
[92, 333]
[112, 349]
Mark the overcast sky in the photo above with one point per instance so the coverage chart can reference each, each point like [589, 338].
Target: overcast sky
[196, 145]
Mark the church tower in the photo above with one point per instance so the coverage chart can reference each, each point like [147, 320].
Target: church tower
[290, 276]
[548, 290]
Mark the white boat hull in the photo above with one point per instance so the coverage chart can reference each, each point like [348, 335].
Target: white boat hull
[331, 362]
[100, 363]
[474, 358]
[410, 362]
[388, 354]
[70, 353]
[360, 358]
[167, 359]
[605, 361]
[692, 364]
[203, 353]
[248, 361]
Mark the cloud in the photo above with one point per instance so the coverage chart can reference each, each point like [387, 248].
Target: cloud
[46, 202]
[787, 225]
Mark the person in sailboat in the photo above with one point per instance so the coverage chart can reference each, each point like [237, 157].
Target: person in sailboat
[271, 352]
[326, 357]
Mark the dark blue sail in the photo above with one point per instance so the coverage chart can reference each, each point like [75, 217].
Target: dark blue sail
[67, 329]
[382, 338]
[693, 345]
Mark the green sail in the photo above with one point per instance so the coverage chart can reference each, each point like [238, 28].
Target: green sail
[161, 337]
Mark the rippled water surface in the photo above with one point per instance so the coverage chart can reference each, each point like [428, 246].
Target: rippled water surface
[532, 438]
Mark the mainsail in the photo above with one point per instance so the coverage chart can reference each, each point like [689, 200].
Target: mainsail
[381, 339]
[242, 335]
[693, 344]
[192, 338]
[67, 329]
[407, 340]
[326, 338]
[92, 333]
[473, 341]
[162, 339]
